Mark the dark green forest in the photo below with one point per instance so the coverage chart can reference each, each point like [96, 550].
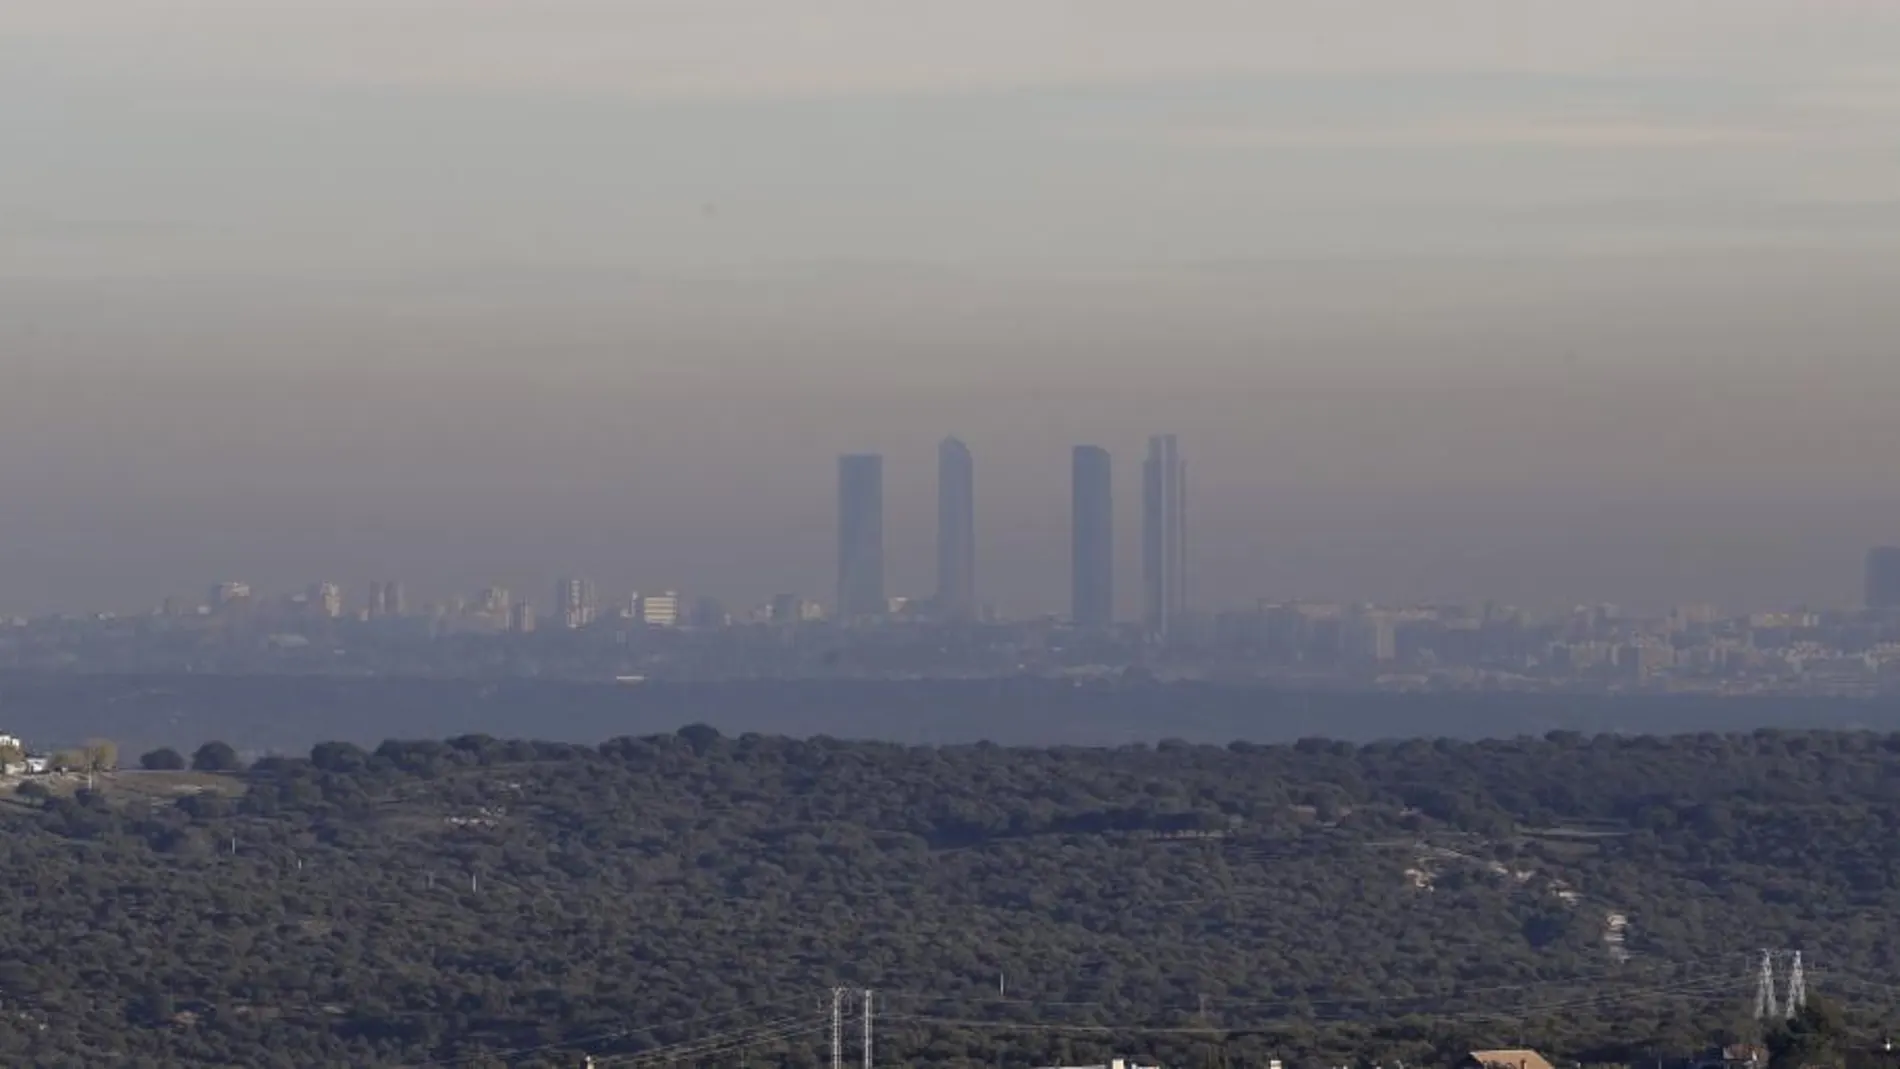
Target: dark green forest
[694, 898]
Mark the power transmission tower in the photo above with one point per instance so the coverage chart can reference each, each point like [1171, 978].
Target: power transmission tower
[867, 1028]
[836, 1028]
[1765, 1005]
[1797, 988]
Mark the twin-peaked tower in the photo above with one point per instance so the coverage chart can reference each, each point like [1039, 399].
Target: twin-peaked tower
[1163, 537]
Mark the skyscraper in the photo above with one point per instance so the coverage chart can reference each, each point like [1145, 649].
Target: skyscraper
[326, 601]
[574, 603]
[860, 536]
[956, 531]
[1163, 536]
[1883, 577]
[1091, 538]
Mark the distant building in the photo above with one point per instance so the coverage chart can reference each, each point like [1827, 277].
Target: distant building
[660, 610]
[1883, 577]
[574, 603]
[786, 609]
[1369, 637]
[709, 612]
[385, 599]
[860, 536]
[223, 594]
[956, 531]
[1091, 538]
[1163, 536]
[326, 600]
[521, 618]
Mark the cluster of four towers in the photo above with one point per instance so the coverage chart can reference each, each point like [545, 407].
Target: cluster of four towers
[1092, 536]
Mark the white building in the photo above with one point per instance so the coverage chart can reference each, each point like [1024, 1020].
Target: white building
[659, 610]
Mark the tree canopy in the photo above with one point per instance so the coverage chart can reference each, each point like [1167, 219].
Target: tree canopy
[509, 902]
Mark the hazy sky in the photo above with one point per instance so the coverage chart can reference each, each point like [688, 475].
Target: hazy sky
[1541, 299]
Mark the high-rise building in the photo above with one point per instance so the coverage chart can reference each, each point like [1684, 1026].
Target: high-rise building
[709, 612]
[956, 531]
[326, 601]
[385, 599]
[1091, 538]
[1883, 577]
[1163, 536]
[574, 603]
[860, 536]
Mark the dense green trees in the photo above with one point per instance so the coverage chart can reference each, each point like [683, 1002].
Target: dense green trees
[163, 759]
[1318, 902]
[215, 757]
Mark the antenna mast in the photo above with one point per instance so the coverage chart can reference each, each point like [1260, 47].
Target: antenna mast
[1797, 988]
[867, 1028]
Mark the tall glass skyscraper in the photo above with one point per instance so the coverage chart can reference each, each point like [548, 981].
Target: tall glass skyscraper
[1092, 539]
[1163, 536]
[860, 536]
[956, 531]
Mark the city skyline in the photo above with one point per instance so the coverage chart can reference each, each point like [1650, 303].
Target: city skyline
[862, 588]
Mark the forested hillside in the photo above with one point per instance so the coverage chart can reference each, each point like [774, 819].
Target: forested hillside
[483, 902]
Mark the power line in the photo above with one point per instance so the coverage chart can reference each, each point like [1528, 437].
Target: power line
[1707, 987]
[728, 1043]
[604, 1037]
[1705, 967]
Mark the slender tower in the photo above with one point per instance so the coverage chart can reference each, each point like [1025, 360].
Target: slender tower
[860, 536]
[1163, 536]
[956, 531]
